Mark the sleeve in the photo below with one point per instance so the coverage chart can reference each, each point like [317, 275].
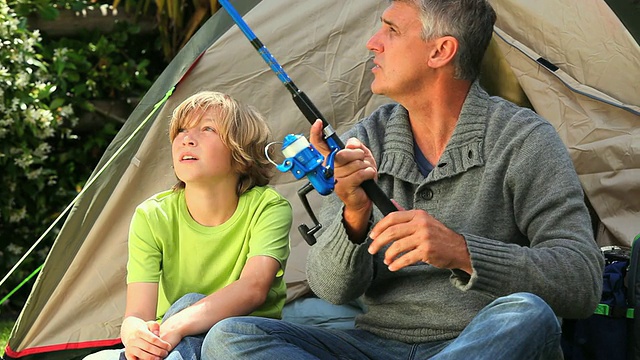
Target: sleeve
[562, 264]
[270, 234]
[145, 255]
[338, 270]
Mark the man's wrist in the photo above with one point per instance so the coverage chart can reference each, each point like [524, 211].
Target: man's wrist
[357, 222]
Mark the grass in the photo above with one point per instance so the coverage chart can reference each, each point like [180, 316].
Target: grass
[5, 331]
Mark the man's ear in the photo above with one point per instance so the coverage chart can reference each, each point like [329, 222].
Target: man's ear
[443, 52]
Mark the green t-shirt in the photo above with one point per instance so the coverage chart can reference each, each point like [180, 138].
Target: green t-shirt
[167, 246]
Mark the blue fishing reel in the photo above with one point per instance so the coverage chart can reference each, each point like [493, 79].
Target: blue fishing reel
[303, 160]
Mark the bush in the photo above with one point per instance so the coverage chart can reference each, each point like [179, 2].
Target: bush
[45, 86]
[32, 120]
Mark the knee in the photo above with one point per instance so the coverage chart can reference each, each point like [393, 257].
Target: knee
[226, 337]
[230, 328]
[230, 325]
[528, 302]
[182, 303]
[530, 308]
[189, 299]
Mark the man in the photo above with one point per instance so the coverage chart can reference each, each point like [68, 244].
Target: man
[496, 242]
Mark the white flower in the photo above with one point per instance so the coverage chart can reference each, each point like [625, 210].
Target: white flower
[47, 133]
[6, 122]
[15, 249]
[42, 150]
[15, 217]
[60, 54]
[22, 80]
[15, 103]
[30, 116]
[32, 175]
[45, 117]
[66, 111]
[53, 179]
[24, 161]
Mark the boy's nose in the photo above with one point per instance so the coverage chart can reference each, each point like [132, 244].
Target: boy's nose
[188, 140]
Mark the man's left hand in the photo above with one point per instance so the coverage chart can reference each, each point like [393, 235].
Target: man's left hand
[416, 236]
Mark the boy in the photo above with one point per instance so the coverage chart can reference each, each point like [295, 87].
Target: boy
[215, 245]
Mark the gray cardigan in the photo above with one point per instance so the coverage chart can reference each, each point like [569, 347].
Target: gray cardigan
[507, 184]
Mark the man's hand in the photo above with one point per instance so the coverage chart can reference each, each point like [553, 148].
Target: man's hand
[416, 236]
[353, 165]
[142, 341]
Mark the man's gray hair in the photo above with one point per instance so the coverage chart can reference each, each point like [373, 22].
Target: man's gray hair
[469, 21]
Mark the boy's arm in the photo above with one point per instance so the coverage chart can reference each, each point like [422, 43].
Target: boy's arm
[241, 297]
[139, 331]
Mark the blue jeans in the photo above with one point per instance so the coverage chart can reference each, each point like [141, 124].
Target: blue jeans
[187, 349]
[519, 326]
[189, 346]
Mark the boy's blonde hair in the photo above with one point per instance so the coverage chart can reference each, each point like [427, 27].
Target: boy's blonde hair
[241, 128]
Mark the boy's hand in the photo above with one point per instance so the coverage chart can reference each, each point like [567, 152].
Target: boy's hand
[170, 332]
[142, 341]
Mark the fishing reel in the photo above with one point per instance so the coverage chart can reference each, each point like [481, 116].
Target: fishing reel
[303, 159]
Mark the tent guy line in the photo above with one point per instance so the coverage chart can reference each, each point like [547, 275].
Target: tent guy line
[546, 64]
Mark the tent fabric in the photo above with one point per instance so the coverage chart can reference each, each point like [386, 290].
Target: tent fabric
[575, 64]
[588, 89]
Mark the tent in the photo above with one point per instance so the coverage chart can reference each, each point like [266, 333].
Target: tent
[576, 63]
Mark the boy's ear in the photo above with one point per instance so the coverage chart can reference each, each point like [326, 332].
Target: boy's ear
[443, 51]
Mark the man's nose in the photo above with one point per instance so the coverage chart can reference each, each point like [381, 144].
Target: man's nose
[374, 44]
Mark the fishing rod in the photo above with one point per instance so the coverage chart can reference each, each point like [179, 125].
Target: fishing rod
[310, 111]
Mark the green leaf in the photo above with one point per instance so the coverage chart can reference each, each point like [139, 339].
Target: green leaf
[59, 67]
[56, 103]
[48, 12]
[72, 76]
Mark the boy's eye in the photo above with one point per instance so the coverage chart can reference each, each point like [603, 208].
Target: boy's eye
[208, 128]
[181, 130]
